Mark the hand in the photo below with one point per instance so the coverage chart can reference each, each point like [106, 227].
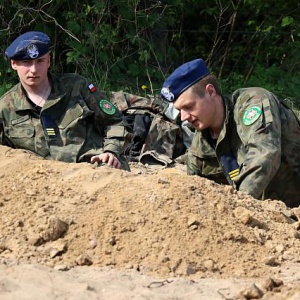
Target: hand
[109, 158]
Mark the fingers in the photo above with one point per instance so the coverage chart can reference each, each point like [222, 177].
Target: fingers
[110, 159]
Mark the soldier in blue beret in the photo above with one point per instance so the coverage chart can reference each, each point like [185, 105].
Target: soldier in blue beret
[58, 116]
[250, 139]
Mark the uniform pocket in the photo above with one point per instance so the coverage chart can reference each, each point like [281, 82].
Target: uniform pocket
[21, 128]
[71, 115]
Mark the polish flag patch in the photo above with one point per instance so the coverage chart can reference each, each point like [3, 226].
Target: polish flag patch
[92, 88]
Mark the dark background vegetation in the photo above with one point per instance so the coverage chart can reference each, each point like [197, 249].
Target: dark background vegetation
[125, 44]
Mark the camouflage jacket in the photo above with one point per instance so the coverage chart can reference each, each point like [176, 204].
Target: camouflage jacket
[75, 123]
[258, 150]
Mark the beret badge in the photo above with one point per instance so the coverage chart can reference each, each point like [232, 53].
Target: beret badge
[183, 78]
[32, 51]
[167, 94]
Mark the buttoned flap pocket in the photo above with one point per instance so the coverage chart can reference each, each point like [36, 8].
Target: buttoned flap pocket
[211, 168]
[207, 163]
[21, 128]
[203, 152]
[71, 115]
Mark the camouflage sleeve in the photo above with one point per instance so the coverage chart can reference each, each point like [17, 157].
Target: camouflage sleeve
[257, 116]
[3, 140]
[136, 104]
[108, 120]
[193, 163]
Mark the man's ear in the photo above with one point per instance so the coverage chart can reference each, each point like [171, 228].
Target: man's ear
[13, 64]
[210, 89]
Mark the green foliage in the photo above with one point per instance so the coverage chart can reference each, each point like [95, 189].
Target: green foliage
[283, 84]
[124, 44]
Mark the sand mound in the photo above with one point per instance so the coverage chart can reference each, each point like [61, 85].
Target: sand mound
[156, 222]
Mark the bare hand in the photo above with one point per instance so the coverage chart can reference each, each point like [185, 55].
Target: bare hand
[109, 158]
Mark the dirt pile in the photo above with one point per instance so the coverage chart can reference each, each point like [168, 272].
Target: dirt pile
[158, 222]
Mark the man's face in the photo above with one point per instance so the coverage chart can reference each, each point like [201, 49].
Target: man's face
[32, 72]
[198, 111]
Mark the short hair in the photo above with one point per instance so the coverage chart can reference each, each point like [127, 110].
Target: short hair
[199, 87]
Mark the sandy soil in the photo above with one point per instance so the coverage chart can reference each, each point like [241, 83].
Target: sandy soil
[75, 231]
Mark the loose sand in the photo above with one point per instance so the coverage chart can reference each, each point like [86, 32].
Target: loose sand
[73, 231]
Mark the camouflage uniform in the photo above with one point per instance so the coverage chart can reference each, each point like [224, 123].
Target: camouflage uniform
[75, 123]
[156, 139]
[257, 151]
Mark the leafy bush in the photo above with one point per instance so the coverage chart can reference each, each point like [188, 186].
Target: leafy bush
[126, 44]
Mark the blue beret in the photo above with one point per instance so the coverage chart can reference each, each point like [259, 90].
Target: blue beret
[30, 45]
[182, 78]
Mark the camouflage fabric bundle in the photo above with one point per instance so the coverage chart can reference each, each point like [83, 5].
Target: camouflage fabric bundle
[156, 139]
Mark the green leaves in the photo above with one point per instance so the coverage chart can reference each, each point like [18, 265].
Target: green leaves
[124, 44]
[286, 21]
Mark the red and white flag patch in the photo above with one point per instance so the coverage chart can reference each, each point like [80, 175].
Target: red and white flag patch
[92, 88]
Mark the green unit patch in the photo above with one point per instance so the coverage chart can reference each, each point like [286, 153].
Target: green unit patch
[251, 115]
[107, 107]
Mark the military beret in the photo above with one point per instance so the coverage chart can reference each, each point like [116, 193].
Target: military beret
[182, 78]
[30, 45]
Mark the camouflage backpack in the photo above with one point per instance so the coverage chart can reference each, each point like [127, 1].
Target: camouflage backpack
[157, 135]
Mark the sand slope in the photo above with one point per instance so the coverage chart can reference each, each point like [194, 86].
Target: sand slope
[73, 231]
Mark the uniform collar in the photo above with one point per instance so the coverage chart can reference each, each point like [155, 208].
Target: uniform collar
[21, 101]
[228, 118]
[58, 90]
